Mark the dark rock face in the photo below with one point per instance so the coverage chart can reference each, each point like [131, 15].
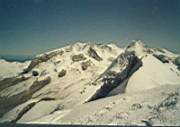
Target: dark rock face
[178, 67]
[111, 79]
[92, 53]
[162, 58]
[62, 73]
[77, 58]
[177, 62]
[41, 59]
[85, 65]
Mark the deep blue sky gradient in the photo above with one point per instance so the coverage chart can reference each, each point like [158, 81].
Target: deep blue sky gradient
[29, 27]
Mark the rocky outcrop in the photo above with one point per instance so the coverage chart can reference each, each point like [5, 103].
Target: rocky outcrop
[62, 73]
[162, 58]
[85, 65]
[92, 53]
[177, 62]
[77, 58]
[40, 59]
[161, 110]
[127, 63]
[168, 103]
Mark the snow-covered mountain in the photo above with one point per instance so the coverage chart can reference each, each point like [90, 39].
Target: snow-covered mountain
[88, 83]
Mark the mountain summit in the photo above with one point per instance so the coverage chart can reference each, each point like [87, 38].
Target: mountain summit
[86, 83]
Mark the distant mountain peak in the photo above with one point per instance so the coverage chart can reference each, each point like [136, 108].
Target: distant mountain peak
[137, 43]
[138, 47]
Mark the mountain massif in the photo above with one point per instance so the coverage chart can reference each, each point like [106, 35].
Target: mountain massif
[87, 83]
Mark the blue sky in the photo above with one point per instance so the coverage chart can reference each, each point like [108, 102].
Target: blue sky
[29, 27]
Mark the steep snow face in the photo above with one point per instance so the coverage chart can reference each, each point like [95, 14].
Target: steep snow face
[70, 77]
[152, 74]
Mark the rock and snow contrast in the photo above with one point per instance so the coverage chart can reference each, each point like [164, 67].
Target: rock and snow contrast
[95, 84]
